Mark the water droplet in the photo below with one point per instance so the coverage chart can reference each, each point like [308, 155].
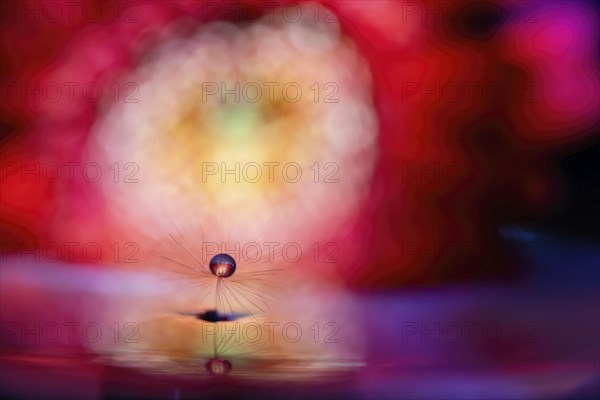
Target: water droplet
[222, 265]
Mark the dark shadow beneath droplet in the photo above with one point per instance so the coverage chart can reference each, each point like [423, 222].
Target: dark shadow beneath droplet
[215, 316]
[211, 316]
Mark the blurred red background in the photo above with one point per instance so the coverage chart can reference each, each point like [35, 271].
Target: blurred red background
[474, 103]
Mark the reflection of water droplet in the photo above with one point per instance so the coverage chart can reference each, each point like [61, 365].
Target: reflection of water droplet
[222, 265]
[218, 366]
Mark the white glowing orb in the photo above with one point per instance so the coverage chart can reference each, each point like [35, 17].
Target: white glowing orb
[268, 127]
